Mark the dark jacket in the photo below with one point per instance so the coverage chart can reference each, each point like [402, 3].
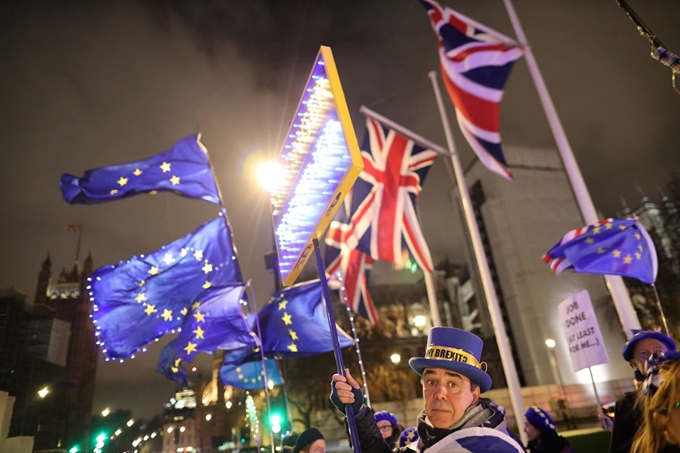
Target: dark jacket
[550, 442]
[483, 414]
[627, 420]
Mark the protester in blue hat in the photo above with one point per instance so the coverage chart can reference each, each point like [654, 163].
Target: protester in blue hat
[627, 415]
[542, 433]
[454, 414]
[388, 426]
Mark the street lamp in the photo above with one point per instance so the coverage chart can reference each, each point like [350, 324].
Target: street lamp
[42, 393]
[395, 358]
[106, 412]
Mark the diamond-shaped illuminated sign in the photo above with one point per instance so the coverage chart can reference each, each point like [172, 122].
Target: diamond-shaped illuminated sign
[319, 163]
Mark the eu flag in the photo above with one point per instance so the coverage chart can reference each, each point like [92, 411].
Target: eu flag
[184, 170]
[294, 323]
[148, 296]
[250, 376]
[611, 246]
[214, 321]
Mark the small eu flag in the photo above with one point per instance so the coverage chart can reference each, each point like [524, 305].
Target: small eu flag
[250, 376]
[148, 296]
[294, 323]
[611, 246]
[214, 321]
[184, 170]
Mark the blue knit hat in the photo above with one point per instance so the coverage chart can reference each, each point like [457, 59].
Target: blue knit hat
[639, 335]
[408, 436]
[540, 419]
[454, 350]
[385, 416]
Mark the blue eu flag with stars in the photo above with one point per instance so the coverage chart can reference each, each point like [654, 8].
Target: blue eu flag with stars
[611, 246]
[294, 323]
[214, 321]
[250, 375]
[184, 170]
[148, 296]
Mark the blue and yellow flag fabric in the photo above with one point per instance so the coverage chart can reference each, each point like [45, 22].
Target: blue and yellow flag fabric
[214, 321]
[611, 246]
[148, 296]
[184, 170]
[250, 375]
[294, 323]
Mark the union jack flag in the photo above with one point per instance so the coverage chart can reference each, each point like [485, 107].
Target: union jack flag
[384, 222]
[475, 63]
[348, 268]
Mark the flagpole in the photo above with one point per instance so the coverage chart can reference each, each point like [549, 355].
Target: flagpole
[507, 359]
[349, 411]
[264, 364]
[429, 278]
[617, 288]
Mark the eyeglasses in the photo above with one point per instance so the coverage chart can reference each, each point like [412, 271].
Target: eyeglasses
[386, 427]
[665, 409]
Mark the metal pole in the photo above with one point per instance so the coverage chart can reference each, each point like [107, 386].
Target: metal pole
[485, 274]
[321, 269]
[432, 299]
[597, 396]
[617, 289]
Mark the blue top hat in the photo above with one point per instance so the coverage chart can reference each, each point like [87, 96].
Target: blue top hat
[639, 335]
[454, 350]
[540, 419]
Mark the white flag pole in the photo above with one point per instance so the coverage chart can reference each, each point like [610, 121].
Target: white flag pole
[617, 289]
[485, 274]
[429, 278]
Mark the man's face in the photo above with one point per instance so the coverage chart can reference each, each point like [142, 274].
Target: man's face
[318, 446]
[447, 395]
[385, 428]
[644, 350]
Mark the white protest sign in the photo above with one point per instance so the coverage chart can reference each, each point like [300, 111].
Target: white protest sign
[586, 347]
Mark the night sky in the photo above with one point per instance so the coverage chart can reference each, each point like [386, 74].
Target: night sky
[87, 84]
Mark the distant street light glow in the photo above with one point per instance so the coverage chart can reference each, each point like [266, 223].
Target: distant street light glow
[419, 321]
[106, 412]
[550, 343]
[42, 393]
[130, 422]
[395, 358]
[269, 175]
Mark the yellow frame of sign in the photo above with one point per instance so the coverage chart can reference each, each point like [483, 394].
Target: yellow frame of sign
[320, 162]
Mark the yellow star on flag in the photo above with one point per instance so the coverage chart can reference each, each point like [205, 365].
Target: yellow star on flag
[137, 172]
[637, 236]
[122, 181]
[287, 319]
[609, 226]
[199, 333]
[184, 311]
[153, 270]
[183, 252]
[174, 369]
[165, 167]
[200, 317]
[167, 314]
[293, 335]
[195, 305]
[616, 253]
[113, 191]
[293, 348]
[142, 283]
[596, 230]
[178, 361]
[140, 298]
[590, 240]
[190, 347]
[198, 254]
[622, 227]
[207, 285]
[282, 304]
[174, 180]
[168, 259]
[207, 268]
[640, 247]
[150, 309]
[153, 192]
[627, 259]
[601, 250]
[240, 376]
[638, 255]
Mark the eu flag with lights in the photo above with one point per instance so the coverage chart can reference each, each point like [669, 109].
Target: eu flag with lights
[184, 170]
[348, 268]
[475, 65]
[611, 246]
[214, 321]
[294, 324]
[383, 214]
[251, 376]
[147, 296]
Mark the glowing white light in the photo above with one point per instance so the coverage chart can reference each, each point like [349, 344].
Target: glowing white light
[228, 404]
[182, 429]
[130, 422]
[118, 431]
[269, 176]
[42, 393]
[153, 434]
[106, 412]
[419, 321]
[208, 417]
[550, 343]
[395, 358]
[169, 429]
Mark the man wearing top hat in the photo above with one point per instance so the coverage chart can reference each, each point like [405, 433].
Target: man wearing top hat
[455, 417]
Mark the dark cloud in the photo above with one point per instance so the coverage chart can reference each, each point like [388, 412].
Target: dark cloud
[87, 84]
